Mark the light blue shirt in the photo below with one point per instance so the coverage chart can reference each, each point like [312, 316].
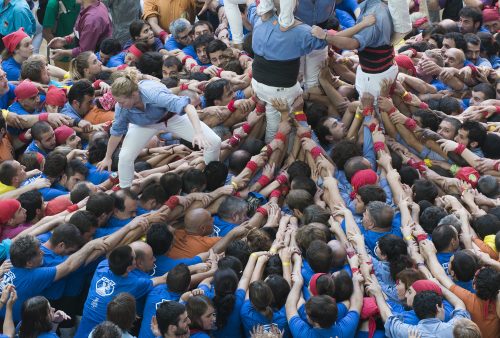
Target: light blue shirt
[69, 111]
[158, 100]
[15, 15]
[378, 34]
[315, 12]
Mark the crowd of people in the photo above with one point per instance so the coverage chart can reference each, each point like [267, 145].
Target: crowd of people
[250, 168]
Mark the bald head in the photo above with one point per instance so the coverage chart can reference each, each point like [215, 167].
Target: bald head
[449, 25]
[339, 253]
[140, 248]
[454, 58]
[143, 256]
[196, 222]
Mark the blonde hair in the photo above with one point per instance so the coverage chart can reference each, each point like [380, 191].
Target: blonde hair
[125, 82]
[466, 328]
[78, 65]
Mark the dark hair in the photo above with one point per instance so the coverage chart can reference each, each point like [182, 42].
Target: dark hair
[196, 307]
[100, 203]
[299, 199]
[36, 317]
[240, 250]
[280, 289]
[75, 166]
[216, 174]
[142, 166]
[231, 262]
[315, 214]
[110, 46]
[121, 311]
[172, 61]
[225, 285]
[261, 297]
[424, 190]
[23, 250]
[170, 82]
[84, 220]
[274, 266]
[305, 183]
[168, 313]
[120, 197]
[193, 179]
[325, 285]
[487, 283]
[79, 192]
[153, 191]
[476, 132]
[488, 186]
[135, 28]
[171, 184]
[344, 286]
[7, 172]
[29, 160]
[319, 256]
[238, 160]
[202, 40]
[68, 234]
[231, 205]
[32, 69]
[252, 145]
[430, 218]
[215, 90]
[120, 259]
[55, 164]
[215, 46]
[471, 12]
[179, 278]
[369, 193]
[396, 251]
[424, 304]
[97, 150]
[448, 105]
[458, 38]
[159, 238]
[381, 214]
[204, 23]
[315, 112]
[343, 151]
[464, 265]
[322, 310]
[40, 128]
[428, 118]
[31, 201]
[442, 236]
[150, 63]
[79, 90]
[298, 168]
[247, 44]
[486, 225]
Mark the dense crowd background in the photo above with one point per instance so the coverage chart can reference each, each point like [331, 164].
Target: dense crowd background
[239, 169]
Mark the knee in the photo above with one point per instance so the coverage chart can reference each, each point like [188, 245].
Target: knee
[126, 158]
[215, 141]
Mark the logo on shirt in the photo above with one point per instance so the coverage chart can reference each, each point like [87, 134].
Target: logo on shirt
[104, 287]
[159, 303]
[8, 278]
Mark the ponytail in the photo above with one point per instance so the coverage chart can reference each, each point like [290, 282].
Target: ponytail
[77, 66]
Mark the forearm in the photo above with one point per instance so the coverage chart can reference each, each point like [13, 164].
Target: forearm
[419, 85]
[193, 118]
[9, 329]
[342, 42]
[385, 310]
[17, 192]
[350, 32]
[153, 22]
[113, 143]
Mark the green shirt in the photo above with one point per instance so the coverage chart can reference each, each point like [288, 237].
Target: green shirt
[63, 22]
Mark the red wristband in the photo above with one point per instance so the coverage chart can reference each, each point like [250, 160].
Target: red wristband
[231, 106]
[474, 69]
[282, 179]
[263, 181]
[497, 109]
[172, 202]
[301, 117]
[367, 111]
[391, 111]
[252, 166]
[184, 86]
[262, 211]
[460, 149]
[315, 152]
[410, 124]
[22, 137]
[260, 108]
[307, 134]
[280, 136]
[122, 67]
[96, 84]
[413, 52]
[378, 146]
[219, 72]
[68, 39]
[200, 70]
[423, 105]
[421, 237]
[275, 193]
[185, 58]
[163, 36]
[497, 166]
[234, 140]
[72, 208]
[407, 97]
[373, 126]
[354, 270]
[269, 150]
[246, 127]
[43, 117]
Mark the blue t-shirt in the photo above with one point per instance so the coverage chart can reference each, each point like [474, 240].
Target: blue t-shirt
[114, 224]
[12, 68]
[48, 335]
[345, 327]
[164, 264]
[342, 311]
[28, 283]
[221, 227]
[56, 289]
[8, 97]
[232, 329]
[157, 296]
[116, 60]
[444, 259]
[250, 318]
[48, 194]
[95, 175]
[35, 148]
[199, 334]
[104, 287]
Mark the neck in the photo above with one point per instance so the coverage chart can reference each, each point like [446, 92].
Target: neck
[87, 3]
[18, 58]
[48, 245]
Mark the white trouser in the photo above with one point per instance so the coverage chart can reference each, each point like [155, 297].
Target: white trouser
[266, 94]
[310, 67]
[234, 19]
[138, 136]
[370, 83]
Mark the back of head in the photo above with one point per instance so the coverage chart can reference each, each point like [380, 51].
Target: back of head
[466, 328]
[232, 263]
[487, 283]
[32, 201]
[381, 214]
[55, 164]
[121, 311]
[298, 168]
[343, 286]
[343, 151]
[7, 172]
[120, 259]
[171, 184]
[424, 190]
[371, 192]
[442, 236]
[151, 63]
[80, 191]
[193, 180]
[36, 318]
[425, 304]
[299, 199]
[240, 250]
[106, 330]
[322, 310]
[159, 238]
[23, 250]
[280, 289]
[216, 174]
[238, 160]
[68, 234]
[100, 203]
[488, 186]
[179, 278]
[486, 225]
[84, 220]
[315, 214]
[153, 192]
[430, 218]
[464, 265]
[225, 285]
[307, 234]
[261, 297]
[304, 183]
[230, 206]
[319, 256]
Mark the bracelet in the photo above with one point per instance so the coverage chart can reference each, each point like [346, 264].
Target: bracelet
[219, 72]
[413, 52]
[172, 202]
[97, 84]
[273, 250]
[263, 181]
[367, 111]
[183, 86]
[260, 108]
[423, 105]
[43, 117]
[411, 124]
[428, 162]
[68, 39]
[373, 126]
[252, 166]
[409, 238]
[286, 264]
[5, 113]
[282, 179]
[185, 58]
[231, 106]
[235, 185]
[354, 270]
[262, 210]
[316, 152]
[406, 96]
[421, 237]
[73, 207]
[234, 140]
[391, 111]
[358, 116]
[275, 193]
[300, 116]
[460, 149]
[379, 146]
[280, 136]
[246, 127]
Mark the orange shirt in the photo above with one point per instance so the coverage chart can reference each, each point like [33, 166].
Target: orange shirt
[169, 10]
[6, 150]
[486, 248]
[489, 325]
[98, 116]
[189, 245]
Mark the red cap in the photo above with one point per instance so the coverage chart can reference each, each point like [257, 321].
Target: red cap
[56, 96]
[7, 209]
[489, 14]
[57, 205]
[426, 285]
[25, 90]
[12, 40]
[312, 283]
[369, 311]
[62, 134]
[469, 175]
[362, 178]
[405, 62]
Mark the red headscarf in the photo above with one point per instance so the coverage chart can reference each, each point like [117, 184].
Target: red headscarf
[8, 208]
[12, 40]
[426, 285]
[313, 281]
[56, 96]
[405, 62]
[362, 178]
[490, 14]
[25, 90]
[62, 134]
[369, 311]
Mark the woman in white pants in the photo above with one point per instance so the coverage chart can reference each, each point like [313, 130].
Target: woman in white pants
[144, 109]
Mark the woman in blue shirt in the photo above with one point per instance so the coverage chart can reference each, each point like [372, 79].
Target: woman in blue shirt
[39, 319]
[201, 312]
[18, 48]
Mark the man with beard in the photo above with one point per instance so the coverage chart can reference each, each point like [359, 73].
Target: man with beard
[171, 320]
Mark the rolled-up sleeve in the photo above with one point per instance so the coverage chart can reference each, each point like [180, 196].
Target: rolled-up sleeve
[120, 124]
[150, 9]
[366, 37]
[395, 328]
